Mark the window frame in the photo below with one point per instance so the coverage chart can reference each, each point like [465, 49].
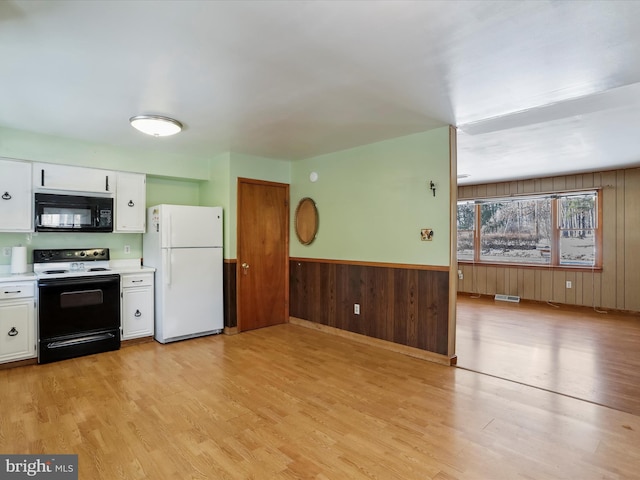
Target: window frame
[554, 260]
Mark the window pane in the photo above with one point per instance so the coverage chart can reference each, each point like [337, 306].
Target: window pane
[466, 216]
[466, 223]
[577, 212]
[577, 216]
[465, 244]
[516, 231]
[577, 247]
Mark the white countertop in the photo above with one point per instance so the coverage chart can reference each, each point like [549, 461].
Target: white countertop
[129, 266]
[122, 267]
[127, 270]
[16, 277]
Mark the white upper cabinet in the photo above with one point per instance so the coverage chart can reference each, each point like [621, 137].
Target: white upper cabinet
[49, 176]
[130, 202]
[15, 196]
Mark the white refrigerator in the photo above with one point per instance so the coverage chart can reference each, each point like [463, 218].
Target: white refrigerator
[184, 244]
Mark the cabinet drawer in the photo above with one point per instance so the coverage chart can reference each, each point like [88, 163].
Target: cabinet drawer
[137, 280]
[16, 290]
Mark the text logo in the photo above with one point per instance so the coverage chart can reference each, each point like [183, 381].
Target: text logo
[49, 467]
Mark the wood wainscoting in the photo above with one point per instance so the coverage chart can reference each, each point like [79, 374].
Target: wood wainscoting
[229, 282]
[404, 304]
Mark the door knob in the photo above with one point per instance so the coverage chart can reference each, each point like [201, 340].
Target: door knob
[245, 268]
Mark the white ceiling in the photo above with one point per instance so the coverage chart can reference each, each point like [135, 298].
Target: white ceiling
[535, 87]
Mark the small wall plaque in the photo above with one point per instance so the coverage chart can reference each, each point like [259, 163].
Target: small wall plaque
[426, 234]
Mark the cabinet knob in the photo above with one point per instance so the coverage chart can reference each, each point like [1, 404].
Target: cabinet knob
[137, 314]
[131, 204]
[6, 196]
[13, 332]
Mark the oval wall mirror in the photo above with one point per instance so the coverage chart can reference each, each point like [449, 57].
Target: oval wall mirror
[306, 221]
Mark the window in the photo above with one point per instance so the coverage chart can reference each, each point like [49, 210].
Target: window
[577, 216]
[558, 230]
[466, 226]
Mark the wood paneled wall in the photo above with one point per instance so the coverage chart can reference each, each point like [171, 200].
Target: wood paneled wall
[405, 306]
[617, 286]
[229, 286]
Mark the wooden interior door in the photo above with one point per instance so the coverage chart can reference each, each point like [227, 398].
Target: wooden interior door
[263, 254]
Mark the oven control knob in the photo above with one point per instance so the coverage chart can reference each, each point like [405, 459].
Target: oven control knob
[95, 253]
[82, 254]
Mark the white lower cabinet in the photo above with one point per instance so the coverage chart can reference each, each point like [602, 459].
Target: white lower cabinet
[17, 321]
[137, 305]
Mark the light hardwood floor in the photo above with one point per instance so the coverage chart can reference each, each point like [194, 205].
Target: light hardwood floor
[571, 350]
[288, 402]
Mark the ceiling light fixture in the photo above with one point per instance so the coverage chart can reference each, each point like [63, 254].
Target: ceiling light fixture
[156, 125]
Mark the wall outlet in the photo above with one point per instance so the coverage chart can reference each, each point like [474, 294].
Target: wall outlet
[568, 283]
[460, 275]
[6, 251]
[356, 308]
[127, 249]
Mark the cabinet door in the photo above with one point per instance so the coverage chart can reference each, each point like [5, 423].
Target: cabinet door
[137, 312]
[49, 176]
[130, 202]
[15, 197]
[17, 324]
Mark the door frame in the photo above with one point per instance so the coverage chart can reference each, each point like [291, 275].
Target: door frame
[286, 186]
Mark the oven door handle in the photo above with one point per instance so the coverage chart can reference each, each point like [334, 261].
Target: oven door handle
[79, 341]
[90, 280]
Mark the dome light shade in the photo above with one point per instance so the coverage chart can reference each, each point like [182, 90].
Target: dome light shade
[156, 125]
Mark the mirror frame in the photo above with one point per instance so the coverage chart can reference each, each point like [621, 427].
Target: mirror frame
[306, 221]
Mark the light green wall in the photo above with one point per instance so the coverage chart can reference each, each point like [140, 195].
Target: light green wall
[172, 191]
[373, 200]
[46, 148]
[216, 193]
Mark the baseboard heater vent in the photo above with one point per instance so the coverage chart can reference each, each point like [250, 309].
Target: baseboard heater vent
[508, 298]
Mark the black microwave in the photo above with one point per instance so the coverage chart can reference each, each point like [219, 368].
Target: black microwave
[72, 213]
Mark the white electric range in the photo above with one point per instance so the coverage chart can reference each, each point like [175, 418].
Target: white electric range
[78, 303]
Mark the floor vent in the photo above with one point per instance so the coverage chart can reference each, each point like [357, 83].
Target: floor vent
[508, 298]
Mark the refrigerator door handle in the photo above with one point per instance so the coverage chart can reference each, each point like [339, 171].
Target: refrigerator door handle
[167, 267]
